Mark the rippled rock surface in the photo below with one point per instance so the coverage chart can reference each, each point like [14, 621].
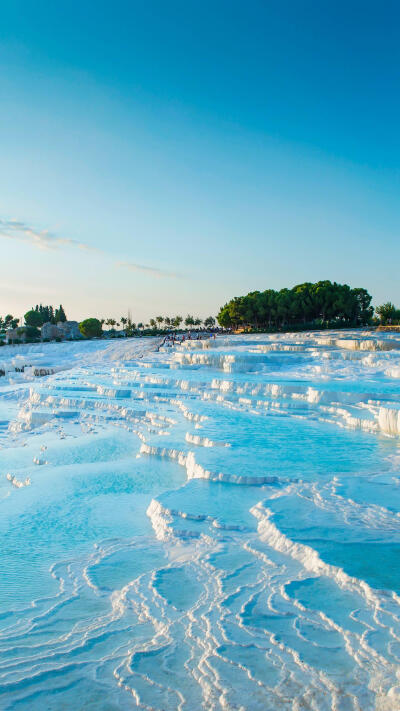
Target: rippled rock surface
[212, 527]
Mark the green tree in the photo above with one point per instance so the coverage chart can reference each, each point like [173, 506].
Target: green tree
[364, 311]
[249, 308]
[236, 308]
[130, 327]
[60, 315]
[33, 318]
[266, 307]
[90, 328]
[387, 312]
[9, 322]
[30, 332]
[224, 317]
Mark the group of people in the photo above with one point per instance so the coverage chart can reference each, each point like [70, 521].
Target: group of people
[172, 338]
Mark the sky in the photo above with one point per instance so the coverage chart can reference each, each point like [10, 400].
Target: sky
[163, 156]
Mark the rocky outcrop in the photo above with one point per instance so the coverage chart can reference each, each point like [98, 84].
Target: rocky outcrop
[50, 332]
[66, 330]
[69, 329]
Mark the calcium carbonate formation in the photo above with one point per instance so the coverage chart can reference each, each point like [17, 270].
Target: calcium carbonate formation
[213, 525]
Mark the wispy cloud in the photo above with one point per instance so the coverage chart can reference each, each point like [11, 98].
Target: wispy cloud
[46, 240]
[42, 239]
[159, 273]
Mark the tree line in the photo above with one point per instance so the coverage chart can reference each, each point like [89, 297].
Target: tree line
[39, 315]
[35, 317]
[160, 323]
[93, 327]
[320, 305]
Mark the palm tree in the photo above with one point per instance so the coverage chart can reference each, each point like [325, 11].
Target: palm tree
[198, 322]
[160, 320]
[153, 323]
[124, 320]
[189, 320]
[131, 327]
[177, 321]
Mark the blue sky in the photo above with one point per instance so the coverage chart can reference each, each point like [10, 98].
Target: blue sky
[163, 156]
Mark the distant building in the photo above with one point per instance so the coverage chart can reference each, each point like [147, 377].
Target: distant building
[49, 332]
[13, 335]
[69, 329]
[66, 330]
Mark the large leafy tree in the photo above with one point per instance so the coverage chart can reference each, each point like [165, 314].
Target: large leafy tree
[387, 312]
[236, 310]
[33, 318]
[90, 328]
[224, 317]
[8, 322]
